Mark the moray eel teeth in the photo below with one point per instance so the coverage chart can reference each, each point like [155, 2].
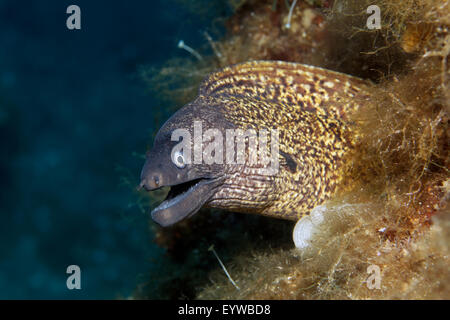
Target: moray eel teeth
[308, 106]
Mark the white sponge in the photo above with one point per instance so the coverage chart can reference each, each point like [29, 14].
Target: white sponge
[306, 227]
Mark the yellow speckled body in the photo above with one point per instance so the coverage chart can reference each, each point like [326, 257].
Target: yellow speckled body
[309, 106]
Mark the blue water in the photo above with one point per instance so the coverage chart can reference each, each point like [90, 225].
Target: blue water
[73, 109]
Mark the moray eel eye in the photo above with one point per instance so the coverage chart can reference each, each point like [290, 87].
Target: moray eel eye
[178, 159]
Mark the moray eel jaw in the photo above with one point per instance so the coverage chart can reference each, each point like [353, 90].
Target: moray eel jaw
[189, 190]
[183, 201]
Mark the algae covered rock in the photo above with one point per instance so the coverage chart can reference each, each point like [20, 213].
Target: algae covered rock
[385, 235]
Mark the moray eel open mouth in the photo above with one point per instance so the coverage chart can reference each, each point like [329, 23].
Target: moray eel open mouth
[183, 201]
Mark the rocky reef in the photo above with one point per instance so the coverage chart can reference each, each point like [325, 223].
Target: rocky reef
[392, 217]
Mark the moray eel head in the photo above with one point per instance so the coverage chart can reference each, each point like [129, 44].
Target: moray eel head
[191, 185]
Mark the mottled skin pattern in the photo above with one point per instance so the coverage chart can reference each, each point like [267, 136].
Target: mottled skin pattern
[308, 105]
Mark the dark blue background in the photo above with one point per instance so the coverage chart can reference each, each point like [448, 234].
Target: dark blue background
[72, 110]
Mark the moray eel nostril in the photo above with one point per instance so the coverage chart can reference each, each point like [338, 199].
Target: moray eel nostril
[144, 184]
[309, 107]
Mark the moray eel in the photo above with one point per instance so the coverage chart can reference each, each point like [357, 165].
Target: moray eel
[309, 106]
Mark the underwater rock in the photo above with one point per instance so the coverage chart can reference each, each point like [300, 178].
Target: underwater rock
[395, 212]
